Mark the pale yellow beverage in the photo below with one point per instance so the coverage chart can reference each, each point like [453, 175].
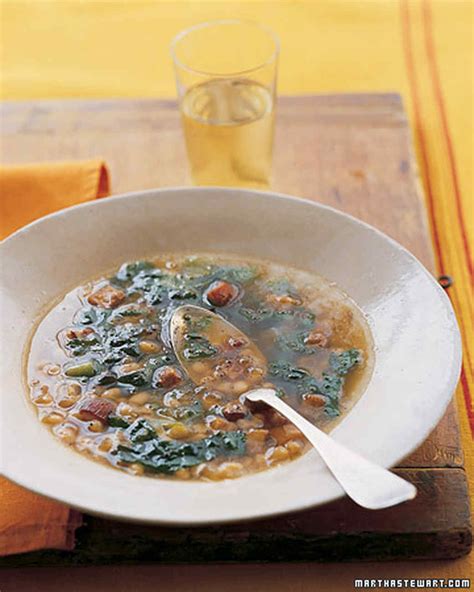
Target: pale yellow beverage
[228, 126]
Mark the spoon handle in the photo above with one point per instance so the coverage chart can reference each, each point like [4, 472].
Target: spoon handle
[369, 485]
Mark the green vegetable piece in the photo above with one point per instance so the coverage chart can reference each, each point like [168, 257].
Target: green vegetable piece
[130, 270]
[87, 369]
[141, 431]
[134, 378]
[198, 347]
[189, 412]
[168, 456]
[237, 275]
[115, 421]
[344, 362]
[256, 315]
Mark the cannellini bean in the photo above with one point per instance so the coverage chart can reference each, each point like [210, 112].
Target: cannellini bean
[178, 431]
[140, 398]
[284, 433]
[219, 423]
[149, 347]
[105, 445]
[74, 390]
[67, 402]
[67, 433]
[277, 454]
[137, 469]
[210, 399]
[53, 418]
[44, 399]
[95, 426]
[240, 387]
[228, 470]
[257, 435]
[294, 447]
[130, 367]
[125, 410]
[114, 393]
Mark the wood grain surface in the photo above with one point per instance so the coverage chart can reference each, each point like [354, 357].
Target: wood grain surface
[353, 152]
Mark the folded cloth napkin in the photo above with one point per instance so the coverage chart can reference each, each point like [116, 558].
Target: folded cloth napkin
[28, 521]
[34, 190]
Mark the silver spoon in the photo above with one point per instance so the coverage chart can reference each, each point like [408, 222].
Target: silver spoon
[368, 484]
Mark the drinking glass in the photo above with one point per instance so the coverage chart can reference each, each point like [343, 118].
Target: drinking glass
[226, 75]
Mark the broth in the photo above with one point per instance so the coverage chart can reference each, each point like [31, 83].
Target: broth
[103, 377]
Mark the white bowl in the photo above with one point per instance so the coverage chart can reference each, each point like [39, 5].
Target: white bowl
[417, 342]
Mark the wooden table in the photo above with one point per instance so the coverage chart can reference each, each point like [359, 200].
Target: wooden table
[353, 152]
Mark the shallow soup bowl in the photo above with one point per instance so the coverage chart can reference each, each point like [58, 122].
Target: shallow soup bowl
[417, 344]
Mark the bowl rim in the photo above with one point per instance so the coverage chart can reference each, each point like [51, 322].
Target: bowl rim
[454, 371]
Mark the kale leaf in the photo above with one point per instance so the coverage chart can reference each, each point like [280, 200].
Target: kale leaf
[329, 385]
[198, 347]
[168, 456]
[343, 362]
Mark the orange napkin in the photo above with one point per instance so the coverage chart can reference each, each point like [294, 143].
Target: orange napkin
[34, 190]
[29, 521]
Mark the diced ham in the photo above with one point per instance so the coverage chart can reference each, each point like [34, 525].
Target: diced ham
[221, 293]
[107, 297]
[96, 408]
[236, 342]
[314, 400]
[234, 411]
[316, 338]
[167, 377]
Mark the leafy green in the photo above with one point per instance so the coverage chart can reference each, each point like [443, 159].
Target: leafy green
[130, 270]
[198, 347]
[343, 362]
[188, 412]
[115, 421]
[329, 385]
[136, 378]
[237, 275]
[79, 346]
[295, 342]
[256, 315]
[281, 287]
[183, 294]
[168, 456]
[140, 431]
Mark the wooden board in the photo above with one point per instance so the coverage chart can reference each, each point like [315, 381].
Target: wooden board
[353, 152]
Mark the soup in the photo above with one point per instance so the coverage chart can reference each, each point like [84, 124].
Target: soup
[104, 378]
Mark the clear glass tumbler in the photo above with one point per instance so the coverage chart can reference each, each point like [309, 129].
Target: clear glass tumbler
[226, 74]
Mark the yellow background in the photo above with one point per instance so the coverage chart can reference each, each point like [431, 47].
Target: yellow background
[52, 49]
